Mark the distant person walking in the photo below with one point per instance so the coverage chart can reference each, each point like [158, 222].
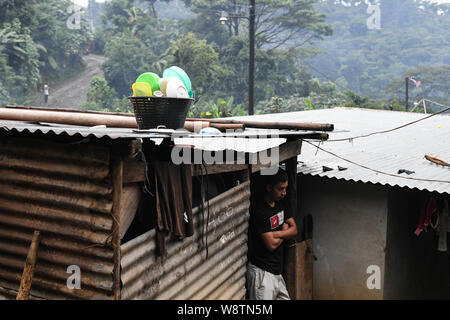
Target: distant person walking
[45, 93]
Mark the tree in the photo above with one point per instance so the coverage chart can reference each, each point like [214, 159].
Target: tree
[23, 56]
[411, 34]
[278, 22]
[36, 44]
[152, 6]
[199, 60]
[101, 93]
[127, 57]
[64, 47]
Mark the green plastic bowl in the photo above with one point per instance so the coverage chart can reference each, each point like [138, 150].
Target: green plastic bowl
[180, 73]
[151, 78]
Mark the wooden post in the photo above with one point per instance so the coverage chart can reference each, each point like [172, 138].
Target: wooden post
[299, 258]
[291, 192]
[117, 183]
[28, 271]
[290, 270]
[298, 270]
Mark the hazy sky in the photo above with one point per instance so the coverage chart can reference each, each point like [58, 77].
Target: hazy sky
[85, 2]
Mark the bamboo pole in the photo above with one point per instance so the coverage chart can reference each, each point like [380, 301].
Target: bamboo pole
[120, 121]
[28, 271]
[72, 118]
[228, 126]
[272, 124]
[117, 182]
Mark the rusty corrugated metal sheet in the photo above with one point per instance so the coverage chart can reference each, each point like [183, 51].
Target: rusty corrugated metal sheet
[224, 141]
[186, 273]
[63, 190]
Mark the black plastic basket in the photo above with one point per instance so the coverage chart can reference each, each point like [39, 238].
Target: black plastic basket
[153, 112]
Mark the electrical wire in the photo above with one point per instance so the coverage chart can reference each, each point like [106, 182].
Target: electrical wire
[374, 170]
[396, 128]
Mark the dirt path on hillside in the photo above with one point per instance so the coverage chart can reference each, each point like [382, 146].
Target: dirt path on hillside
[72, 92]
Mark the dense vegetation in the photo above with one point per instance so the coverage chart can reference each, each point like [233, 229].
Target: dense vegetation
[36, 45]
[310, 53]
[215, 56]
[413, 39]
[296, 46]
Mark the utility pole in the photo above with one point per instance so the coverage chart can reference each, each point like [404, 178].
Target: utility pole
[251, 60]
[406, 92]
[251, 64]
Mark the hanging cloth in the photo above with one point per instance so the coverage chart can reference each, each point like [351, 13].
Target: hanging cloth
[425, 216]
[170, 186]
[443, 227]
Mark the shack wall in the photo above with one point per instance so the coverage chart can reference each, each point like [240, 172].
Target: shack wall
[349, 235]
[64, 190]
[186, 273]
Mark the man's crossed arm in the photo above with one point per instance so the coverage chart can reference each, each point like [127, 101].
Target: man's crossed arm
[274, 239]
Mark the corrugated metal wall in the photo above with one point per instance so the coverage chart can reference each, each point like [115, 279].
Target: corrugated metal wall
[65, 191]
[186, 273]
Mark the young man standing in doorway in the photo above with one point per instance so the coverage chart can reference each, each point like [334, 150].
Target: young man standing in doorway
[269, 226]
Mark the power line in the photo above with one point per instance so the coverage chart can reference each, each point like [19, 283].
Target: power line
[374, 170]
[324, 75]
[390, 130]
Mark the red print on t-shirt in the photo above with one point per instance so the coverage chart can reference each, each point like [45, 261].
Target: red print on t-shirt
[274, 222]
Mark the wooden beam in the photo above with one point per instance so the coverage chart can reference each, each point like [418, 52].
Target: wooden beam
[198, 169]
[133, 171]
[291, 194]
[28, 271]
[131, 195]
[290, 149]
[117, 182]
[286, 151]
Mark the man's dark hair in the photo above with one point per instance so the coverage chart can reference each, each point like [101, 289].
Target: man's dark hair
[279, 177]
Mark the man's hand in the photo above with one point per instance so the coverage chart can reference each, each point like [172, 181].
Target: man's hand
[273, 240]
[288, 231]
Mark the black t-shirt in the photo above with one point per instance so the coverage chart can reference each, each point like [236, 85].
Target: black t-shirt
[264, 218]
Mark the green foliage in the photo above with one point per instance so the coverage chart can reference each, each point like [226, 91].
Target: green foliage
[278, 22]
[289, 35]
[199, 60]
[411, 34]
[36, 45]
[214, 56]
[435, 83]
[122, 105]
[136, 42]
[219, 109]
[127, 58]
[101, 93]
[102, 97]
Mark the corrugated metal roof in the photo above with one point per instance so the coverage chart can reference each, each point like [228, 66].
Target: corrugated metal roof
[390, 152]
[243, 141]
[72, 131]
